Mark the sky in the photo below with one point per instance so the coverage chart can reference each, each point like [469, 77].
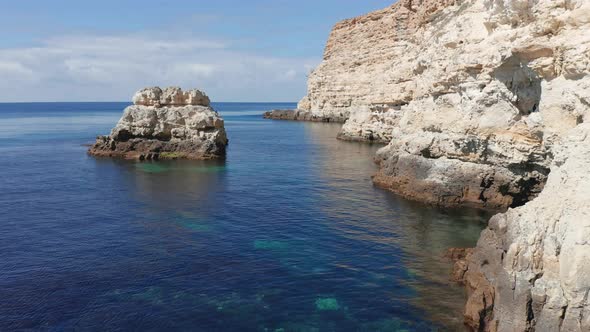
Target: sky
[235, 50]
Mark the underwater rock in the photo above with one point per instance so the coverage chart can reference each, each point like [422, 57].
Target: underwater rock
[168, 124]
[327, 304]
[270, 245]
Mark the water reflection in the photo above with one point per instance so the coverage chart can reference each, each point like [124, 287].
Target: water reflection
[184, 182]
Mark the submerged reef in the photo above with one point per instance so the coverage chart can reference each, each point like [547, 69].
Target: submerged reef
[327, 304]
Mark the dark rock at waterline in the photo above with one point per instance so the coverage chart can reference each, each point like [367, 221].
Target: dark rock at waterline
[478, 312]
[446, 182]
[153, 149]
[300, 115]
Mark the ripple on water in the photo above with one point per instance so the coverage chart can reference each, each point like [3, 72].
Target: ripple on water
[287, 234]
[193, 222]
[270, 245]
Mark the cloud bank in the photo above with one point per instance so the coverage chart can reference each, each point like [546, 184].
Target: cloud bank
[111, 68]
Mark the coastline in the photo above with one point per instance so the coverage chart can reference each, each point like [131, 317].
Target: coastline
[479, 109]
[300, 115]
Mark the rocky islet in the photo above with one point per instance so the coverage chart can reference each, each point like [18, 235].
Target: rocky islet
[166, 124]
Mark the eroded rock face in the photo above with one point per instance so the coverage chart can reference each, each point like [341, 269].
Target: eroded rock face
[171, 96]
[530, 270]
[373, 125]
[470, 94]
[486, 102]
[166, 124]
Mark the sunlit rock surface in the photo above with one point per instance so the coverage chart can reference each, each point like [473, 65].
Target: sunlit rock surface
[480, 100]
[166, 124]
[531, 268]
[470, 95]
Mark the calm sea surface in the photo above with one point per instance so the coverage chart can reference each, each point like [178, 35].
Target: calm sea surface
[288, 234]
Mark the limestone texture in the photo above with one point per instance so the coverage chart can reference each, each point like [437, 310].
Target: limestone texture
[171, 96]
[470, 95]
[165, 124]
[483, 103]
[530, 270]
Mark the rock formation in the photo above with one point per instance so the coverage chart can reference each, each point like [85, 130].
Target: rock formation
[530, 270]
[470, 94]
[165, 124]
[482, 102]
[299, 115]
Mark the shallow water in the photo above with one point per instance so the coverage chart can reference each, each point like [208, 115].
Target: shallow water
[288, 234]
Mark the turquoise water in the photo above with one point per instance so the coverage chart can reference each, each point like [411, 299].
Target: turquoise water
[287, 234]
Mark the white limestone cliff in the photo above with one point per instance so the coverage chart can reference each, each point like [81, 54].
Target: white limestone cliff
[531, 268]
[481, 102]
[469, 90]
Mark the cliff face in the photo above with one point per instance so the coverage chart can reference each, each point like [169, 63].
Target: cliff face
[365, 74]
[482, 103]
[165, 124]
[531, 268]
[495, 83]
[470, 95]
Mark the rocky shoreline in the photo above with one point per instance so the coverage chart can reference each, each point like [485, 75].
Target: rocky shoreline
[299, 115]
[481, 103]
[530, 268]
[367, 134]
[165, 124]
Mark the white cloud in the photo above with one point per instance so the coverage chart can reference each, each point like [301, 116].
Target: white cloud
[198, 69]
[289, 75]
[11, 70]
[88, 67]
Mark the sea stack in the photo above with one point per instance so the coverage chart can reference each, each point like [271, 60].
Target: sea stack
[165, 124]
[483, 103]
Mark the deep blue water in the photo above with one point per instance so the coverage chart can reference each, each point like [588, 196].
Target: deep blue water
[288, 234]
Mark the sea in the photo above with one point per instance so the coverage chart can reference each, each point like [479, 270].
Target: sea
[287, 234]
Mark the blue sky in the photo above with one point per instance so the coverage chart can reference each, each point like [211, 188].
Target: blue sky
[258, 50]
